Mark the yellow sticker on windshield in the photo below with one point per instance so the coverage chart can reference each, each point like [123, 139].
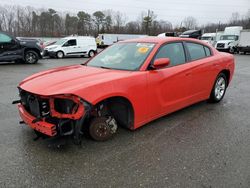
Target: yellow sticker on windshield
[143, 50]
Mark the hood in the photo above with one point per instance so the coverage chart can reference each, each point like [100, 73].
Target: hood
[68, 80]
[184, 36]
[51, 46]
[225, 41]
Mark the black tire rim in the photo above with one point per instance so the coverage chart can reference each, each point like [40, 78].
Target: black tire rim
[30, 57]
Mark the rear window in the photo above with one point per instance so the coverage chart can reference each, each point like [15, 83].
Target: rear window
[207, 50]
[196, 51]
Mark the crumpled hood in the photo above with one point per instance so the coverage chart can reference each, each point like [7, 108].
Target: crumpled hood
[68, 80]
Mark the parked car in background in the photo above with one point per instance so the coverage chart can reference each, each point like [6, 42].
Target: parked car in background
[104, 40]
[229, 40]
[244, 42]
[209, 38]
[168, 34]
[196, 34]
[19, 50]
[129, 84]
[72, 46]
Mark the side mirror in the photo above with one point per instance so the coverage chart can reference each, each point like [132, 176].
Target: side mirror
[160, 63]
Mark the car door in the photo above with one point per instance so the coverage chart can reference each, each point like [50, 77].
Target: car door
[8, 48]
[70, 47]
[169, 87]
[203, 70]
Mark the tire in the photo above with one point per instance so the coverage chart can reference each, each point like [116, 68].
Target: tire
[31, 57]
[219, 88]
[231, 50]
[91, 53]
[100, 130]
[59, 54]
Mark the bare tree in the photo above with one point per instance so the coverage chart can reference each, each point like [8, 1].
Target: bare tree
[119, 21]
[235, 17]
[190, 22]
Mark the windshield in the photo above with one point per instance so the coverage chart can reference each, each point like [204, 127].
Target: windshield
[206, 38]
[122, 56]
[61, 42]
[229, 37]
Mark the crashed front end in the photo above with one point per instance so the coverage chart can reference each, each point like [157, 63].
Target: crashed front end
[56, 115]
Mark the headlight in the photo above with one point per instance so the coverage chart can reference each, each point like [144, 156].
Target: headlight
[52, 48]
[229, 43]
[66, 106]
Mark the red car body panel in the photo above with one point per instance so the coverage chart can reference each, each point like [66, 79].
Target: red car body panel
[152, 93]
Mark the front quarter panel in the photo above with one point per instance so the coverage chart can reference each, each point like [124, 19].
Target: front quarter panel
[132, 87]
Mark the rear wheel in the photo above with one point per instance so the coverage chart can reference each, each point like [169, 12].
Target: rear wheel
[60, 54]
[219, 88]
[31, 57]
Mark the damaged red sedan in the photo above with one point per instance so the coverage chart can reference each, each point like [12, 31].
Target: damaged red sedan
[128, 84]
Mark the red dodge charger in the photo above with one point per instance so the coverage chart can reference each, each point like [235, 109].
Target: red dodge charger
[129, 84]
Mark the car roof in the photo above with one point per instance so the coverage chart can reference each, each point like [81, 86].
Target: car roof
[161, 40]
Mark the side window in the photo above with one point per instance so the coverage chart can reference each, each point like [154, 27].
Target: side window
[207, 50]
[173, 51]
[71, 42]
[4, 38]
[196, 51]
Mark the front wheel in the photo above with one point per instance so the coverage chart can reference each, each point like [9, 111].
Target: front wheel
[91, 53]
[60, 54]
[102, 128]
[31, 57]
[219, 88]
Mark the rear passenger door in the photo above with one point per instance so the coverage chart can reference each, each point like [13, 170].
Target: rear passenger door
[202, 70]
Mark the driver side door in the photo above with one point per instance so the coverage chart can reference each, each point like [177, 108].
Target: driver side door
[70, 47]
[168, 88]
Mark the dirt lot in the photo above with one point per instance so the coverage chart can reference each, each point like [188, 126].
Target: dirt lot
[205, 145]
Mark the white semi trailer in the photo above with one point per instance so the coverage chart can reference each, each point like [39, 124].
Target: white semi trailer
[103, 40]
[244, 42]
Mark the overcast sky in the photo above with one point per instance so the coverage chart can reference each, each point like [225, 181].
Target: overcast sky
[171, 10]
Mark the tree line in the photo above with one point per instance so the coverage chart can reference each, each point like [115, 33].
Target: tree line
[32, 22]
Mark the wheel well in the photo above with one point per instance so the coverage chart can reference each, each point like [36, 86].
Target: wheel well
[227, 74]
[35, 50]
[121, 109]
